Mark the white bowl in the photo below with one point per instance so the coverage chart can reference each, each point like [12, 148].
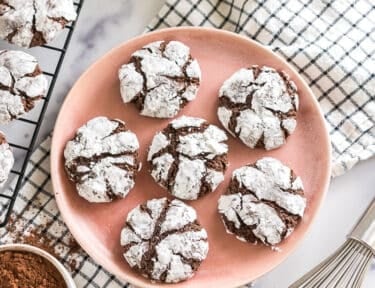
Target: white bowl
[31, 249]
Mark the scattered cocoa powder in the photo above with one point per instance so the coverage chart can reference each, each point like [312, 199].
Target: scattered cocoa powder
[74, 246]
[24, 269]
[32, 236]
[73, 264]
[37, 236]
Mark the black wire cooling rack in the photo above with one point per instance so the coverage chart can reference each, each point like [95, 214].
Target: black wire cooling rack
[56, 53]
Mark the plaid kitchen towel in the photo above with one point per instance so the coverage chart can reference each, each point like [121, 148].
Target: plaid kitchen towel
[330, 43]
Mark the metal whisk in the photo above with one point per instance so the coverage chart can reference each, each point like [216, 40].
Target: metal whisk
[347, 267]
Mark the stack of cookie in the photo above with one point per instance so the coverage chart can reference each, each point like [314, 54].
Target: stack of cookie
[163, 239]
[25, 23]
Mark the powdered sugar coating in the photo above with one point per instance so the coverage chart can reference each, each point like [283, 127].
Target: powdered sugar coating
[265, 202]
[259, 105]
[185, 121]
[22, 84]
[6, 160]
[246, 208]
[29, 23]
[160, 79]
[164, 241]
[189, 157]
[102, 159]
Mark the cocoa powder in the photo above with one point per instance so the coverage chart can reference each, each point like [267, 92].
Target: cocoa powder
[24, 269]
[37, 236]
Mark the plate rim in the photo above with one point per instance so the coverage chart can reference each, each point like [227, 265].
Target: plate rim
[214, 31]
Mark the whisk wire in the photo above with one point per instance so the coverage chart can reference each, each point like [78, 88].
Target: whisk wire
[357, 263]
[343, 269]
[363, 267]
[348, 264]
[319, 275]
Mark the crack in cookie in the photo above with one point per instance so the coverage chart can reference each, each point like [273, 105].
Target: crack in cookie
[163, 241]
[189, 157]
[29, 23]
[265, 202]
[102, 160]
[22, 84]
[259, 106]
[160, 79]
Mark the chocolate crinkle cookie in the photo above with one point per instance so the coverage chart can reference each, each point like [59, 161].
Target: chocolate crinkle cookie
[265, 202]
[102, 160]
[29, 23]
[22, 84]
[160, 79]
[6, 159]
[189, 157]
[259, 106]
[163, 240]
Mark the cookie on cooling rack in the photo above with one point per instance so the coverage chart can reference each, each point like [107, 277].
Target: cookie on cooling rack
[163, 240]
[259, 106]
[29, 23]
[6, 159]
[102, 159]
[22, 84]
[264, 203]
[160, 79]
[189, 157]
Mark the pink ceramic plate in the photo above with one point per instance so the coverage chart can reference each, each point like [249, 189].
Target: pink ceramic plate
[97, 226]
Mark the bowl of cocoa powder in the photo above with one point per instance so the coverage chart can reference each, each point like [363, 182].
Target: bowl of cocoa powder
[23, 265]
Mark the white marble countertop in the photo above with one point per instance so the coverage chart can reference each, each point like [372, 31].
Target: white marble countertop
[102, 27]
